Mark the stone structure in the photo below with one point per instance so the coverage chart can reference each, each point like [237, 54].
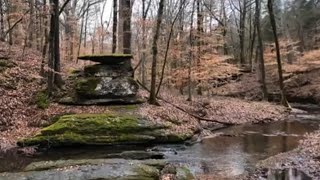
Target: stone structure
[110, 81]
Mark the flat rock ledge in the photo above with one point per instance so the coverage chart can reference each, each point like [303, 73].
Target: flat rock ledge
[102, 129]
[100, 169]
[107, 58]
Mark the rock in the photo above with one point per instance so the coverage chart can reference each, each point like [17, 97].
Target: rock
[110, 59]
[183, 173]
[140, 155]
[89, 169]
[113, 71]
[177, 172]
[46, 165]
[110, 82]
[106, 87]
[101, 101]
[101, 129]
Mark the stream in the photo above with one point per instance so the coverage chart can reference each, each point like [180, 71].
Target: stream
[233, 151]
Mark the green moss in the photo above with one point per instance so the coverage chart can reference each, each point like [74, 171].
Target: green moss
[102, 129]
[97, 124]
[46, 165]
[144, 172]
[42, 100]
[183, 173]
[74, 71]
[70, 138]
[126, 107]
[95, 129]
[87, 85]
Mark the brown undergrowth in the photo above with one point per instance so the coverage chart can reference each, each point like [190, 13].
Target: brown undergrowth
[301, 79]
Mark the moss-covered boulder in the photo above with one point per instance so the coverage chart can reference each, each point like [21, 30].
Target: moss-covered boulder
[101, 129]
[176, 172]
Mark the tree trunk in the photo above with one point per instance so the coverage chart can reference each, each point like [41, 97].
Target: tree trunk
[1, 21]
[80, 37]
[54, 77]
[127, 27]
[85, 28]
[260, 46]
[199, 30]
[51, 53]
[190, 54]
[153, 98]
[67, 34]
[46, 38]
[57, 76]
[168, 46]
[102, 37]
[276, 40]
[31, 24]
[144, 43]
[243, 13]
[120, 25]
[114, 26]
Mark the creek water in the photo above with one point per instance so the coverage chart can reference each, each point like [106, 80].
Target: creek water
[238, 149]
[232, 152]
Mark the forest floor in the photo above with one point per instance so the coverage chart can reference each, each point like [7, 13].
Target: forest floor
[301, 78]
[20, 115]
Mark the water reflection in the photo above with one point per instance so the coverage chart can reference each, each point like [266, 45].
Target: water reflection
[13, 161]
[239, 153]
[287, 174]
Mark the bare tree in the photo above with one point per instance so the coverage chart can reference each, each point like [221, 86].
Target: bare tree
[54, 76]
[31, 24]
[114, 26]
[145, 9]
[45, 36]
[102, 35]
[127, 27]
[242, 23]
[1, 21]
[190, 53]
[182, 4]
[276, 41]
[152, 97]
[260, 46]
[199, 29]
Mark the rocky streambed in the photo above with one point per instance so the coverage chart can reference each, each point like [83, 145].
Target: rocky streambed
[229, 153]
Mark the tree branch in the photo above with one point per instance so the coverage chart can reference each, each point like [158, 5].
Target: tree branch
[63, 6]
[15, 24]
[185, 111]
